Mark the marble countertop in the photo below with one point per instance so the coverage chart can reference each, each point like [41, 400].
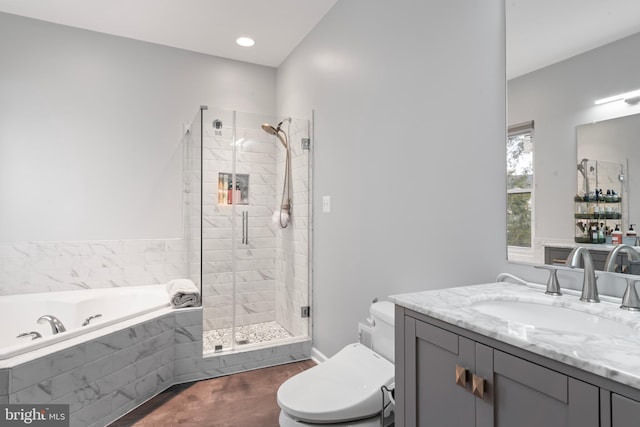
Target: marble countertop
[615, 357]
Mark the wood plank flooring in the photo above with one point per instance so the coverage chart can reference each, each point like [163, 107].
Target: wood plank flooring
[247, 399]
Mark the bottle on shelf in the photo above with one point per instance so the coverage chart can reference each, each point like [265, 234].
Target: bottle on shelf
[631, 232]
[601, 238]
[616, 236]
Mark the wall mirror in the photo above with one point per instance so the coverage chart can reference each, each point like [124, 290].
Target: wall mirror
[561, 58]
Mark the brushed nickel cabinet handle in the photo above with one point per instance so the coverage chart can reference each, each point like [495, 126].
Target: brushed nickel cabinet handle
[477, 386]
[461, 376]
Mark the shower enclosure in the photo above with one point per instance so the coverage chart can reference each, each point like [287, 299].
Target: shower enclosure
[248, 218]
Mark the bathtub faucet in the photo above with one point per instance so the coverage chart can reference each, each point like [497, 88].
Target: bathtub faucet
[90, 318]
[33, 334]
[54, 322]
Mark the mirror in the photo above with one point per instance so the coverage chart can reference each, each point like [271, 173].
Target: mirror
[558, 96]
[616, 141]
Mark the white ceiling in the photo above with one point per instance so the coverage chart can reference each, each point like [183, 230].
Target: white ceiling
[207, 26]
[539, 32]
[543, 32]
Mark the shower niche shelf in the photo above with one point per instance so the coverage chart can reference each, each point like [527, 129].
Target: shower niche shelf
[227, 195]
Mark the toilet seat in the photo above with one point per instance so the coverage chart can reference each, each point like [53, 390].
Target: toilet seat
[345, 387]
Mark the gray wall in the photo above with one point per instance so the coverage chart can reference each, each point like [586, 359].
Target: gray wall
[559, 98]
[90, 129]
[409, 143]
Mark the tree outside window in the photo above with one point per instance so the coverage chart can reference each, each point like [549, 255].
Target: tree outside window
[520, 184]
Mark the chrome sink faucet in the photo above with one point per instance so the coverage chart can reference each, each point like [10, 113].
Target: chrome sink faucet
[553, 286]
[589, 285]
[54, 322]
[630, 299]
[610, 263]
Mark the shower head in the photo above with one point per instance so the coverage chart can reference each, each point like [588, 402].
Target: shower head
[582, 166]
[270, 129]
[281, 134]
[274, 130]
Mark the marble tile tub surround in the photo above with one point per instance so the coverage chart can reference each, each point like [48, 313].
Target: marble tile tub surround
[28, 267]
[608, 356]
[106, 377]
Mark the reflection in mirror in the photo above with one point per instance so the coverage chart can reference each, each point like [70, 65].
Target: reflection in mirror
[598, 212]
[616, 140]
[519, 186]
[560, 97]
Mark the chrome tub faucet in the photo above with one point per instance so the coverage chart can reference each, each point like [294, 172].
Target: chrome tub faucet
[54, 322]
[33, 334]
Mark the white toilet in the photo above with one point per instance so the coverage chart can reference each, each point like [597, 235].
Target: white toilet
[345, 390]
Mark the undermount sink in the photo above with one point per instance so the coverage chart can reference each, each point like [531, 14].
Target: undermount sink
[531, 315]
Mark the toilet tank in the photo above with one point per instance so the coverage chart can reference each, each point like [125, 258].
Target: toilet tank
[382, 334]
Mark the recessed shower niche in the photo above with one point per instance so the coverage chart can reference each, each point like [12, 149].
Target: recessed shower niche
[249, 220]
[228, 191]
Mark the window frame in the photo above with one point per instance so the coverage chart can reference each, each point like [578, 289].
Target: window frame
[524, 128]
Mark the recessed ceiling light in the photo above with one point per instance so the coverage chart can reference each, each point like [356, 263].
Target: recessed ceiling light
[245, 41]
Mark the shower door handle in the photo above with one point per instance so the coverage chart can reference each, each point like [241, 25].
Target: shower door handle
[245, 227]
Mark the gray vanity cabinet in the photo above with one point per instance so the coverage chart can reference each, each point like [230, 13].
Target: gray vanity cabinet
[432, 393]
[444, 379]
[624, 412]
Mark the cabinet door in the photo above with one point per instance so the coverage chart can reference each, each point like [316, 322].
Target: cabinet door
[624, 412]
[529, 395]
[432, 397]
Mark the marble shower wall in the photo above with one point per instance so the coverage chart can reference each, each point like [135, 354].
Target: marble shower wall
[255, 261]
[28, 267]
[293, 243]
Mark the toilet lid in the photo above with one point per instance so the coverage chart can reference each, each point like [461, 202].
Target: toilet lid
[345, 387]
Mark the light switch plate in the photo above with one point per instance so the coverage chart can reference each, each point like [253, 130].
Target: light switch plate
[326, 204]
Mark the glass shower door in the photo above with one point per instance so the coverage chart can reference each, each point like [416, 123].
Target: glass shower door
[255, 271]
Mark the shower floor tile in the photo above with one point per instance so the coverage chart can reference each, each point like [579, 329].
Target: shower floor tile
[247, 334]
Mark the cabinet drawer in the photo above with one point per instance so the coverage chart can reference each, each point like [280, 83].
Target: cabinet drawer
[438, 336]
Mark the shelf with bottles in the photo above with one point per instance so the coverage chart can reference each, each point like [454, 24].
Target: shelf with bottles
[598, 213]
[599, 217]
[597, 232]
[227, 195]
[598, 206]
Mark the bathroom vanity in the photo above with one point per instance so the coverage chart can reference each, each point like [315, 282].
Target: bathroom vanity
[489, 355]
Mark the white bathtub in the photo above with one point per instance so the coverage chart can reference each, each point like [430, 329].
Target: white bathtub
[19, 314]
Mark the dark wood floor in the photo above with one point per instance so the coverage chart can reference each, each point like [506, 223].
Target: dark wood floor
[247, 399]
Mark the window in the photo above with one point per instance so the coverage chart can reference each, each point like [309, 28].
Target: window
[520, 184]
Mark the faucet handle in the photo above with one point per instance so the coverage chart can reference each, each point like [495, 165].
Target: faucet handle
[630, 299]
[33, 334]
[553, 286]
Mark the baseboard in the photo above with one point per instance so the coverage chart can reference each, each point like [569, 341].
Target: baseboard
[317, 356]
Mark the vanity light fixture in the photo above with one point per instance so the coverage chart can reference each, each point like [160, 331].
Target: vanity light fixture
[629, 97]
[245, 41]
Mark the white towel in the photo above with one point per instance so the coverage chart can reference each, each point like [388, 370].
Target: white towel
[183, 293]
